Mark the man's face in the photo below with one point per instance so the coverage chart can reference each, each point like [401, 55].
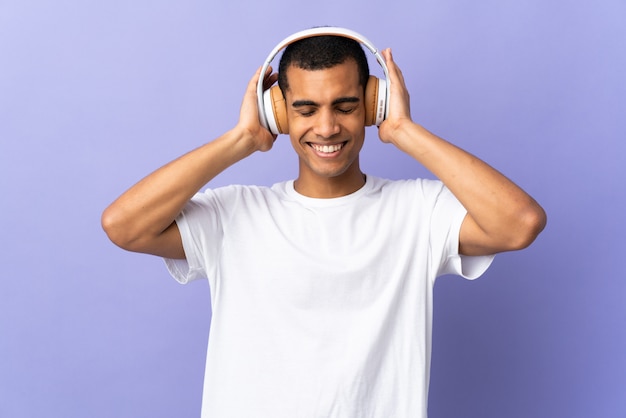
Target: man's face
[326, 115]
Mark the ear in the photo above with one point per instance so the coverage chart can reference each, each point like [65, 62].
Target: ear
[375, 98]
[277, 117]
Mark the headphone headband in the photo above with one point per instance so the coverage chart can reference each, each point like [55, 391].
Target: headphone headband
[308, 33]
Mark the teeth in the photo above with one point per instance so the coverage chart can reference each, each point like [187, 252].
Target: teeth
[327, 148]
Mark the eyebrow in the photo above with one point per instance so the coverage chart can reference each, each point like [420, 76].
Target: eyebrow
[349, 99]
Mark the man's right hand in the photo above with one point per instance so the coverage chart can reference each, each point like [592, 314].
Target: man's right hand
[249, 124]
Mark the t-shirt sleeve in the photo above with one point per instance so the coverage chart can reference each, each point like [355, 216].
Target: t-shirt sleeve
[447, 218]
[201, 233]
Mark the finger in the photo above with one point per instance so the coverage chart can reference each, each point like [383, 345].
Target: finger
[391, 65]
[269, 79]
[254, 80]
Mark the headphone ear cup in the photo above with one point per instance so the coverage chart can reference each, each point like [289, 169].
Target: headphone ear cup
[375, 98]
[275, 111]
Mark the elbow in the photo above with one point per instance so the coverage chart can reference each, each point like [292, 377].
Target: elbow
[531, 222]
[113, 225]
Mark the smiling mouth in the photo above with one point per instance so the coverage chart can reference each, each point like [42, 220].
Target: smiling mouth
[327, 149]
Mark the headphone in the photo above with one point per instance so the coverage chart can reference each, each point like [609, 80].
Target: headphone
[271, 103]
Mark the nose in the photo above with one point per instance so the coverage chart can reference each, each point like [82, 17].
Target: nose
[326, 124]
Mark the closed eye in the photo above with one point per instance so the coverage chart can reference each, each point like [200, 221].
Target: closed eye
[306, 112]
[305, 107]
[346, 111]
[346, 105]
[343, 105]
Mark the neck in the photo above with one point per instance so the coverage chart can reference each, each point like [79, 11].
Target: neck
[329, 187]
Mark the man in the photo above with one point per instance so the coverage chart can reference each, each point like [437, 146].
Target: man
[321, 287]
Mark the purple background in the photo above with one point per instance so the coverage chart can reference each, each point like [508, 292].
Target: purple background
[94, 95]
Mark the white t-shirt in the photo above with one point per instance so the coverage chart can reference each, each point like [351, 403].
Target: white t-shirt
[321, 308]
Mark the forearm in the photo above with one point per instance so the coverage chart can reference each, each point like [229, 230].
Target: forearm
[501, 216]
[149, 207]
[464, 174]
[503, 212]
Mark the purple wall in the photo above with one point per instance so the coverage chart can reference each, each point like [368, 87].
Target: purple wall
[94, 95]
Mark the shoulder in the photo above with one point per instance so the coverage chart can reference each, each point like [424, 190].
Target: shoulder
[418, 187]
[223, 204]
[236, 192]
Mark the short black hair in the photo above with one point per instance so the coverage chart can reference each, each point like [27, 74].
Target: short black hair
[322, 52]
